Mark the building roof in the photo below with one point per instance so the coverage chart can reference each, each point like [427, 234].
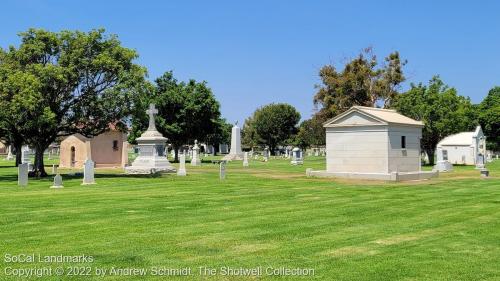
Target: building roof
[464, 138]
[387, 116]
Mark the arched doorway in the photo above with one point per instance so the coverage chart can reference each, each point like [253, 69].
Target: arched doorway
[72, 160]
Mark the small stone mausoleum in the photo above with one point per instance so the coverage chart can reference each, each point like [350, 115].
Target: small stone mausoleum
[108, 149]
[467, 148]
[373, 143]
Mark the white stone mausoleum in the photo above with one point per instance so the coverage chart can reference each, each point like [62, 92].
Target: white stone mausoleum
[373, 143]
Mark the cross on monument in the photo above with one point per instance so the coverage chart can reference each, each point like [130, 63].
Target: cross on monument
[151, 112]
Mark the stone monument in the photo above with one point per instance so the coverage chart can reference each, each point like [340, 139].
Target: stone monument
[235, 153]
[182, 165]
[297, 157]
[88, 172]
[151, 144]
[195, 159]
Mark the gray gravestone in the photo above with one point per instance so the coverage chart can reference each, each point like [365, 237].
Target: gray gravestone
[182, 165]
[22, 177]
[57, 182]
[88, 172]
[222, 170]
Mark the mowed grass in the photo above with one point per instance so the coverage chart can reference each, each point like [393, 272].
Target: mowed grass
[268, 214]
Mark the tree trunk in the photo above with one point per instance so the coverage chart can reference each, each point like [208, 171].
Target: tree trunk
[18, 147]
[176, 157]
[430, 154]
[39, 167]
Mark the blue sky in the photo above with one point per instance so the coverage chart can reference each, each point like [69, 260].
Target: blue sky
[253, 53]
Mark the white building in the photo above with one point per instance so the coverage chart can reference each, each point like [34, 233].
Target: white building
[373, 143]
[468, 148]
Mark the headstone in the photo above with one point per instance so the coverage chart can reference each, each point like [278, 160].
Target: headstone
[443, 166]
[316, 152]
[57, 182]
[125, 154]
[266, 154]
[484, 173]
[309, 172]
[54, 169]
[151, 145]
[49, 157]
[88, 172]
[222, 170]
[22, 174]
[195, 160]
[297, 157]
[25, 154]
[10, 156]
[182, 165]
[235, 153]
[245, 159]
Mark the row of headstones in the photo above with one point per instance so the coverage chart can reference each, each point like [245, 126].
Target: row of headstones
[222, 166]
[88, 174]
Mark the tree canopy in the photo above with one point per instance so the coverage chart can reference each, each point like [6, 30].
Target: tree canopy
[361, 82]
[60, 83]
[441, 109]
[271, 125]
[488, 112]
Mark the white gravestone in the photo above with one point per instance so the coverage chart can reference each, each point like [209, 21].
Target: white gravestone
[88, 172]
[9, 153]
[266, 154]
[151, 146]
[57, 182]
[222, 170]
[25, 154]
[245, 159]
[297, 157]
[182, 165]
[22, 174]
[54, 169]
[195, 160]
[235, 153]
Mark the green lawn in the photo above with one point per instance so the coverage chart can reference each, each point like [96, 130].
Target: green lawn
[267, 215]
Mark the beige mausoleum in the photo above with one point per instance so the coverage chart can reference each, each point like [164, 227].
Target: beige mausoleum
[373, 143]
[109, 149]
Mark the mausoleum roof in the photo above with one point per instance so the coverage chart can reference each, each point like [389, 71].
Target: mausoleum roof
[463, 138]
[383, 116]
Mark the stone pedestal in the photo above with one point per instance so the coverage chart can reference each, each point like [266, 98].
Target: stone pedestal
[151, 146]
[235, 153]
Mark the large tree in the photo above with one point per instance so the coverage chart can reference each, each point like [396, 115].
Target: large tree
[489, 117]
[442, 110]
[186, 111]
[274, 124]
[77, 82]
[362, 81]
[311, 133]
